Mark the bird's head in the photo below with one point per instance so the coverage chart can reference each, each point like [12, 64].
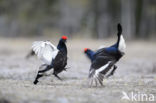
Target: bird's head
[86, 50]
[62, 44]
[89, 53]
[64, 39]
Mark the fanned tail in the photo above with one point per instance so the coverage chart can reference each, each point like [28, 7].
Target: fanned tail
[95, 78]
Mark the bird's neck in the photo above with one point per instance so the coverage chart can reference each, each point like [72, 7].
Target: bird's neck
[62, 47]
[90, 54]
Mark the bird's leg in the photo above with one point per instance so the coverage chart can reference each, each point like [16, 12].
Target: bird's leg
[91, 82]
[96, 82]
[37, 77]
[56, 76]
[41, 72]
[112, 72]
[65, 69]
[46, 69]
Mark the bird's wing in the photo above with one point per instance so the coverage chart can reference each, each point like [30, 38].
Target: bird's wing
[100, 51]
[99, 67]
[108, 51]
[45, 51]
[101, 61]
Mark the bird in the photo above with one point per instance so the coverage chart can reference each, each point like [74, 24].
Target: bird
[52, 57]
[90, 54]
[105, 58]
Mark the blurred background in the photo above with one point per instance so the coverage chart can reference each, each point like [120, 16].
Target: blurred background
[87, 23]
[78, 18]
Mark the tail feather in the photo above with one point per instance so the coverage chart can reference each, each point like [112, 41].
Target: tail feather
[97, 78]
[119, 27]
[31, 53]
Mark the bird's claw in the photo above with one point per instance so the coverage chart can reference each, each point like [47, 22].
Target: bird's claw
[57, 77]
[35, 82]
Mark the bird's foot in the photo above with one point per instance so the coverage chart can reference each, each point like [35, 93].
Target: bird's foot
[35, 82]
[57, 76]
[65, 69]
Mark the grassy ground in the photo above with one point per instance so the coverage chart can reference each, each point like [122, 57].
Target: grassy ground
[136, 73]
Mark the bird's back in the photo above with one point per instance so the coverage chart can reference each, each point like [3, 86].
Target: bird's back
[109, 53]
[102, 58]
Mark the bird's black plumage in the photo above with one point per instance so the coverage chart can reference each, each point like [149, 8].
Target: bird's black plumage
[104, 59]
[59, 63]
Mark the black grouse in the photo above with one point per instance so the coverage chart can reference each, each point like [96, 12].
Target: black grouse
[90, 54]
[51, 57]
[105, 58]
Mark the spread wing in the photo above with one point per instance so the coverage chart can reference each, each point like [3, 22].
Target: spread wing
[100, 66]
[45, 51]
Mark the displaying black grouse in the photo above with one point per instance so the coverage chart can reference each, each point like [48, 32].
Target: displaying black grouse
[103, 59]
[90, 54]
[51, 57]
